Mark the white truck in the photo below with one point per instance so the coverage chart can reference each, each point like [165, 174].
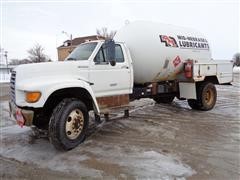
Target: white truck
[145, 60]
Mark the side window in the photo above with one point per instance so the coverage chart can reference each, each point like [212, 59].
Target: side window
[119, 54]
[99, 58]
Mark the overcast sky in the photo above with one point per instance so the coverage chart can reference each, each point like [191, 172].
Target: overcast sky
[25, 23]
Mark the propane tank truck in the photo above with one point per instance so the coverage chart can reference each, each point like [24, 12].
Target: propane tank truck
[145, 60]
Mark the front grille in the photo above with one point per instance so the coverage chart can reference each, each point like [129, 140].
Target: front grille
[12, 86]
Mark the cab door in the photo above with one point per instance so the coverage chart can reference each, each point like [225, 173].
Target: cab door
[110, 80]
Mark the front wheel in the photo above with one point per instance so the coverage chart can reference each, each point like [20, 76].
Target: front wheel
[206, 97]
[68, 124]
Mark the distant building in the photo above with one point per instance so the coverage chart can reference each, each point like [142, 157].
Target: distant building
[65, 49]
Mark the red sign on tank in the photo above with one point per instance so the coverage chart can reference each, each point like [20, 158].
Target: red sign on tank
[176, 61]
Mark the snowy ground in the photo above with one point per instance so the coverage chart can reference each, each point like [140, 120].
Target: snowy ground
[155, 142]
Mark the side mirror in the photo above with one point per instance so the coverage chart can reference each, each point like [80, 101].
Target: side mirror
[113, 63]
[109, 46]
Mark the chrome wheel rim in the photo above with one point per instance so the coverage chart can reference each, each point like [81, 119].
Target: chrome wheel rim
[74, 124]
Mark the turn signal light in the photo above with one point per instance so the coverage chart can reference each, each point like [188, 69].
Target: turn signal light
[32, 97]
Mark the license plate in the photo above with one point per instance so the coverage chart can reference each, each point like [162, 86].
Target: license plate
[17, 114]
[19, 117]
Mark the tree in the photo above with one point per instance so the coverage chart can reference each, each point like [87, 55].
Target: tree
[104, 33]
[36, 54]
[236, 59]
[19, 61]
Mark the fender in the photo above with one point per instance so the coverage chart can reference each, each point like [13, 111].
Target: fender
[48, 85]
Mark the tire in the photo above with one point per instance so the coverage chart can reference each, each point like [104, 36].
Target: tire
[68, 124]
[165, 100]
[206, 97]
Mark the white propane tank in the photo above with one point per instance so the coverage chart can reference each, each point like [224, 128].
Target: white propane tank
[159, 50]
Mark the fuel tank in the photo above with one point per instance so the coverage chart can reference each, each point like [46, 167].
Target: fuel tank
[158, 51]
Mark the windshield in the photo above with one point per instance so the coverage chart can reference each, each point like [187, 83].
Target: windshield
[82, 52]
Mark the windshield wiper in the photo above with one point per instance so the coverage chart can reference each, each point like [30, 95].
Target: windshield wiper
[70, 58]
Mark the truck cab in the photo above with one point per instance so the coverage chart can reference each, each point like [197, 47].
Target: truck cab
[94, 70]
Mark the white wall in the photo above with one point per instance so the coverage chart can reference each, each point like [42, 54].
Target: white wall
[4, 75]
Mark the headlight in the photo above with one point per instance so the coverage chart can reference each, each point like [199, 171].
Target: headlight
[32, 97]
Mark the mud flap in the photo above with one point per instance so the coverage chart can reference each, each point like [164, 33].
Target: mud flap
[187, 90]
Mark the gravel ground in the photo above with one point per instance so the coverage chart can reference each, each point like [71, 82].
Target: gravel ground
[156, 142]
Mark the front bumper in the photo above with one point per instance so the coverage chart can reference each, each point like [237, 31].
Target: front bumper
[22, 116]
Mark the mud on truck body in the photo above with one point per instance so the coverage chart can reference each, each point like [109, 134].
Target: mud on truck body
[145, 60]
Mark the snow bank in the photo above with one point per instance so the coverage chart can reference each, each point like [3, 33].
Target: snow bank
[153, 165]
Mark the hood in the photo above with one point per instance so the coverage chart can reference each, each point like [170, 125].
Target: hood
[76, 69]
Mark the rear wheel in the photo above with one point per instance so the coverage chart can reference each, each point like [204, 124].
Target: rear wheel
[68, 124]
[166, 100]
[206, 97]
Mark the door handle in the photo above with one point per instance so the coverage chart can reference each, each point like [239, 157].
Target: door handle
[125, 67]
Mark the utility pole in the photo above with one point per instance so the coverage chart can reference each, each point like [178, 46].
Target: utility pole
[1, 55]
[5, 54]
[70, 36]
